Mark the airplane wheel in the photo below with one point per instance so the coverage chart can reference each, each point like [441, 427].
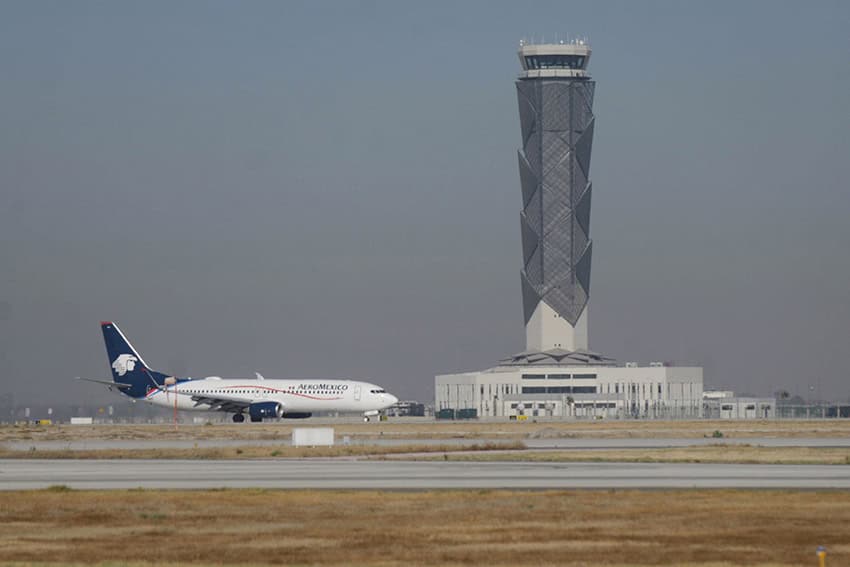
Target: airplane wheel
[366, 419]
[238, 418]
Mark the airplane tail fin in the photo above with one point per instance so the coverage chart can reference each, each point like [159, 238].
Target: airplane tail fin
[128, 367]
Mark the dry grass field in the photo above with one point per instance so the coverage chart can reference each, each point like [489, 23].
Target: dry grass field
[571, 528]
[468, 441]
[719, 453]
[399, 429]
[258, 451]
[493, 451]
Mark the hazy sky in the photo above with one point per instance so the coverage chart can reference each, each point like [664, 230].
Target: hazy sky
[330, 189]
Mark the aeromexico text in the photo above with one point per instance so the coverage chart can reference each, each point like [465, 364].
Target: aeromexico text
[337, 387]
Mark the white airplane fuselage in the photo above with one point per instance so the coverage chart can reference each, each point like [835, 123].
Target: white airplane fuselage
[295, 396]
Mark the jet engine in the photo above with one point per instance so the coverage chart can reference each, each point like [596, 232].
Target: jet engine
[260, 410]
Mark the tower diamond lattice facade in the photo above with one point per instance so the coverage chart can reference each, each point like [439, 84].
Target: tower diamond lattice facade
[555, 96]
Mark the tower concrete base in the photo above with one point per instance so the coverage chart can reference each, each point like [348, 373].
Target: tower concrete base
[547, 330]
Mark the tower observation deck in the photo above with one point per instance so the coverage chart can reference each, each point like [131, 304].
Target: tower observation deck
[555, 94]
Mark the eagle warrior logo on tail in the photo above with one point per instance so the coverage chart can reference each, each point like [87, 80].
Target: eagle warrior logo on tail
[124, 363]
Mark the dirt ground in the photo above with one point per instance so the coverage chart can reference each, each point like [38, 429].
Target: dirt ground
[573, 528]
[399, 429]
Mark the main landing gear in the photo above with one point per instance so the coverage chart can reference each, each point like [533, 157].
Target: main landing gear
[239, 418]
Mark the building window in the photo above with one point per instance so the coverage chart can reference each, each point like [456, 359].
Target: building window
[533, 390]
[584, 390]
[559, 390]
[559, 376]
[584, 376]
[533, 376]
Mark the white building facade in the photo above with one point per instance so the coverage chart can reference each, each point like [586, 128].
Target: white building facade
[548, 389]
[725, 405]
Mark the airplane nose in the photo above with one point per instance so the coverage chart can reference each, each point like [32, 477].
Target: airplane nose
[392, 400]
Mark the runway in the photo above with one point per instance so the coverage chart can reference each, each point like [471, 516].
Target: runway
[20, 474]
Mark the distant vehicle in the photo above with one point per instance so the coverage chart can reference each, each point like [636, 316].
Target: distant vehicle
[257, 398]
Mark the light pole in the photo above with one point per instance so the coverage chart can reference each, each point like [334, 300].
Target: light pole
[811, 401]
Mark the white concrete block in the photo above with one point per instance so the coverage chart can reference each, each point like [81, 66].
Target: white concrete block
[312, 436]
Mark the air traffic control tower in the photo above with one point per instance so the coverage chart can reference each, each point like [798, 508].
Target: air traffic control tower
[555, 95]
[557, 375]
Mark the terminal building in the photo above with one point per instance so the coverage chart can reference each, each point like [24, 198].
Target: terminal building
[559, 384]
[557, 375]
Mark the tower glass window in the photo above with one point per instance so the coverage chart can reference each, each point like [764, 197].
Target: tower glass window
[554, 62]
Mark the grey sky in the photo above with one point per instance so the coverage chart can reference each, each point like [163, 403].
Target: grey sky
[331, 189]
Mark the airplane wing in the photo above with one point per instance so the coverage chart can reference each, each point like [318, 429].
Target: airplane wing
[109, 383]
[216, 402]
[220, 403]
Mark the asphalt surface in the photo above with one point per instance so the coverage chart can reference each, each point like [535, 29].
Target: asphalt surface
[19, 474]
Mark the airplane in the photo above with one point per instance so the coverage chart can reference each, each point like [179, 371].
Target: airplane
[258, 398]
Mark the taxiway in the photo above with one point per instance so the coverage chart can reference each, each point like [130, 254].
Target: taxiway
[19, 474]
